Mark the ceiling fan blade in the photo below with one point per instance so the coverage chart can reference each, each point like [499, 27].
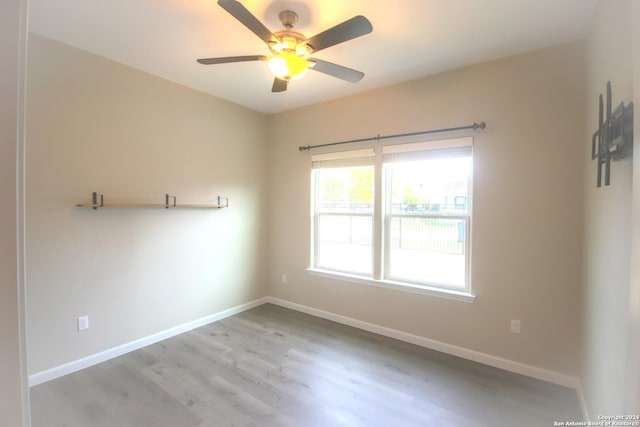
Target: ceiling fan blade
[227, 59]
[349, 29]
[238, 11]
[336, 70]
[279, 85]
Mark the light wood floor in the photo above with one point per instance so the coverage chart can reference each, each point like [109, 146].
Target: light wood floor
[271, 366]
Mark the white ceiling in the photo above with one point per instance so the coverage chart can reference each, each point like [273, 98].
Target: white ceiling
[410, 39]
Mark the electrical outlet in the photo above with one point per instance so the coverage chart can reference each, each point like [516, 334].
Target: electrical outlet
[83, 323]
[515, 326]
[284, 278]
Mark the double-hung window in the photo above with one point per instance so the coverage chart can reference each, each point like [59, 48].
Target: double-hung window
[343, 211]
[396, 214]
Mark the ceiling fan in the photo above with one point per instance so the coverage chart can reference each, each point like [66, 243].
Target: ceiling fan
[290, 50]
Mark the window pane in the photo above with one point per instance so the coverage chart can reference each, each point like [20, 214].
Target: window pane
[436, 186]
[424, 246]
[427, 250]
[344, 219]
[348, 189]
[345, 243]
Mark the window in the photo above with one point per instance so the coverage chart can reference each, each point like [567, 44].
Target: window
[344, 219]
[396, 214]
[343, 212]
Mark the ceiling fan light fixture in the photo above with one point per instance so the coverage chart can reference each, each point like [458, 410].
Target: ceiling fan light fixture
[290, 53]
[288, 66]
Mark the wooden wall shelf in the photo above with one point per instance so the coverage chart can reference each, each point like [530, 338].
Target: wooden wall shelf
[170, 202]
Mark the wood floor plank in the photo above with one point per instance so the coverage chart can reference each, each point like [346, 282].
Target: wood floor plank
[65, 403]
[271, 366]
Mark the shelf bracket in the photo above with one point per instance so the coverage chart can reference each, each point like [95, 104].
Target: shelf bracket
[167, 198]
[94, 200]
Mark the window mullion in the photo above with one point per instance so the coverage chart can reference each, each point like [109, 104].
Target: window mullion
[378, 216]
[386, 240]
[314, 218]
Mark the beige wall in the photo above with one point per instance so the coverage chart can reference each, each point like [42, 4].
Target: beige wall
[527, 213]
[607, 262]
[13, 402]
[95, 125]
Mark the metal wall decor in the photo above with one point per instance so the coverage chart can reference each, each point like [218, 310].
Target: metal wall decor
[614, 138]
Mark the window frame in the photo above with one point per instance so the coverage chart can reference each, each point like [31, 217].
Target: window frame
[383, 215]
[318, 212]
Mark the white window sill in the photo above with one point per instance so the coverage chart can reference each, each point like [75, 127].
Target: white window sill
[405, 287]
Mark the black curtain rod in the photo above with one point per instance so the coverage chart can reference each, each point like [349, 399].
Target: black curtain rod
[474, 126]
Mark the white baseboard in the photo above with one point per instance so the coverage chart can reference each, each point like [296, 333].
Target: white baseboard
[583, 402]
[487, 359]
[103, 356]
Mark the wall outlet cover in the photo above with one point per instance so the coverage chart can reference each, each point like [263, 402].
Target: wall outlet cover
[83, 323]
[515, 326]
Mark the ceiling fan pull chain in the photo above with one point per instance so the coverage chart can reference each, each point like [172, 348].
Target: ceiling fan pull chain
[286, 102]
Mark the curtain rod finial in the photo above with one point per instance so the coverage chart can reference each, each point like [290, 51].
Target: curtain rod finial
[304, 147]
[480, 125]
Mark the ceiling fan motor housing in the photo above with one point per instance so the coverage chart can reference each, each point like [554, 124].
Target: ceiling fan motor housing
[291, 42]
